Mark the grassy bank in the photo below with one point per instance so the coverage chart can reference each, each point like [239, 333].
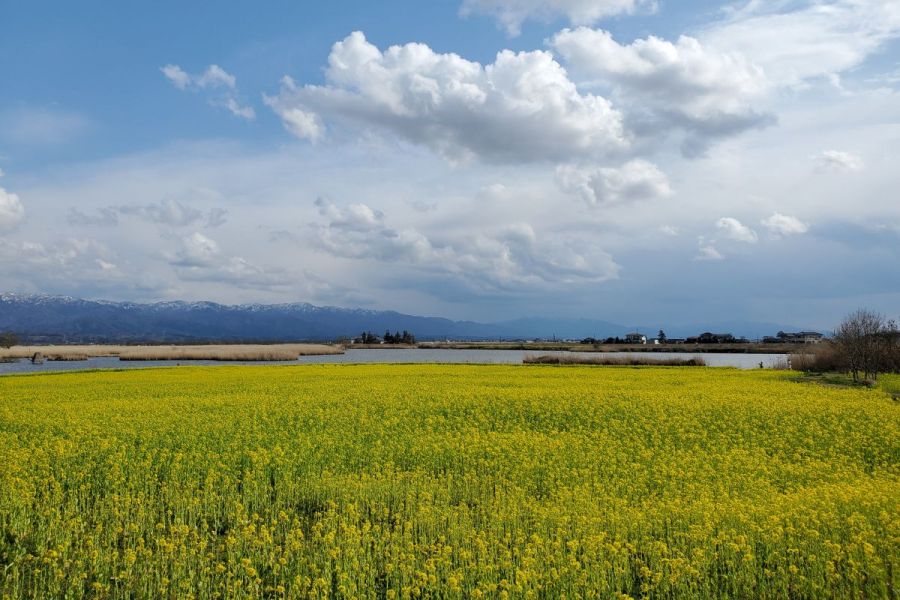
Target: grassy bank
[237, 352]
[386, 481]
[887, 382]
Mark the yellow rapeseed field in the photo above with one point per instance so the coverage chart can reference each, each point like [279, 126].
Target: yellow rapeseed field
[435, 481]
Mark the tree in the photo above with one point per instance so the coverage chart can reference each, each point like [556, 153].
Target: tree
[865, 341]
[889, 348]
[8, 339]
[661, 336]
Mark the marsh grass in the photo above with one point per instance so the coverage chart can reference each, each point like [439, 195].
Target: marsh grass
[237, 352]
[822, 358]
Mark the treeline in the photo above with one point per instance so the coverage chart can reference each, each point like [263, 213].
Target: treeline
[864, 344]
[8, 339]
[406, 338]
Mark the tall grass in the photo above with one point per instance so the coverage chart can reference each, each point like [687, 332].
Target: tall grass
[223, 352]
[819, 358]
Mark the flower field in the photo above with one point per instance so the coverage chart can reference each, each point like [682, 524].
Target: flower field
[435, 481]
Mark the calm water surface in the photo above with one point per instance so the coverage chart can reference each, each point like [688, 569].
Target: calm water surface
[366, 356]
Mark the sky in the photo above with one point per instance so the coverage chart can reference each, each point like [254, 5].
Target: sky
[629, 160]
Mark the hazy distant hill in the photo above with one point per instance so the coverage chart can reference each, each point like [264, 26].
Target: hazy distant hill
[59, 318]
[39, 318]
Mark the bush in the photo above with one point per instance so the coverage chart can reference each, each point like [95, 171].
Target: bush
[822, 358]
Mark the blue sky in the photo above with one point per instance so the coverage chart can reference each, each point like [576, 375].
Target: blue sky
[630, 160]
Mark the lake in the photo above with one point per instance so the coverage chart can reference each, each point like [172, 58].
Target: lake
[741, 361]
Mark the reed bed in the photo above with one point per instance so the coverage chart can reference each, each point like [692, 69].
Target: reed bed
[223, 352]
[821, 358]
[613, 361]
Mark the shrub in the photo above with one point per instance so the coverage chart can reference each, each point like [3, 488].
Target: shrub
[821, 358]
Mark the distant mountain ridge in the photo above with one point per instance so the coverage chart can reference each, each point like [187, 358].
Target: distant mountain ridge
[62, 319]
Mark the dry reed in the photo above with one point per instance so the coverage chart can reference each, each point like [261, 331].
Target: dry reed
[822, 358]
[237, 352]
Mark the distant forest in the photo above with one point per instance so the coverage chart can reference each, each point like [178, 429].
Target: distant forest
[367, 337]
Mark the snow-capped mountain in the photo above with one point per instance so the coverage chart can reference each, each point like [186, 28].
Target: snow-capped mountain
[45, 319]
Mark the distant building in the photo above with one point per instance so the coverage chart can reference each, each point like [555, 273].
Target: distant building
[635, 338]
[800, 337]
[713, 338]
[367, 338]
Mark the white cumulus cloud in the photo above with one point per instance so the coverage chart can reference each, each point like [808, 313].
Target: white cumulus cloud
[201, 258]
[511, 14]
[708, 252]
[735, 230]
[213, 78]
[11, 210]
[837, 161]
[197, 250]
[177, 76]
[779, 224]
[216, 76]
[520, 108]
[633, 181]
[684, 84]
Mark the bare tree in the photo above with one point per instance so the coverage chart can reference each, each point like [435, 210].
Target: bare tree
[866, 342]
[889, 348]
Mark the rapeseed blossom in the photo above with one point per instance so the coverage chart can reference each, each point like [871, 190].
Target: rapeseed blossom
[423, 481]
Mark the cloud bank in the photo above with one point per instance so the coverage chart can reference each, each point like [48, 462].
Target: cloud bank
[510, 257]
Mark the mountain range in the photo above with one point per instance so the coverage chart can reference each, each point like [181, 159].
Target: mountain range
[61, 319]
